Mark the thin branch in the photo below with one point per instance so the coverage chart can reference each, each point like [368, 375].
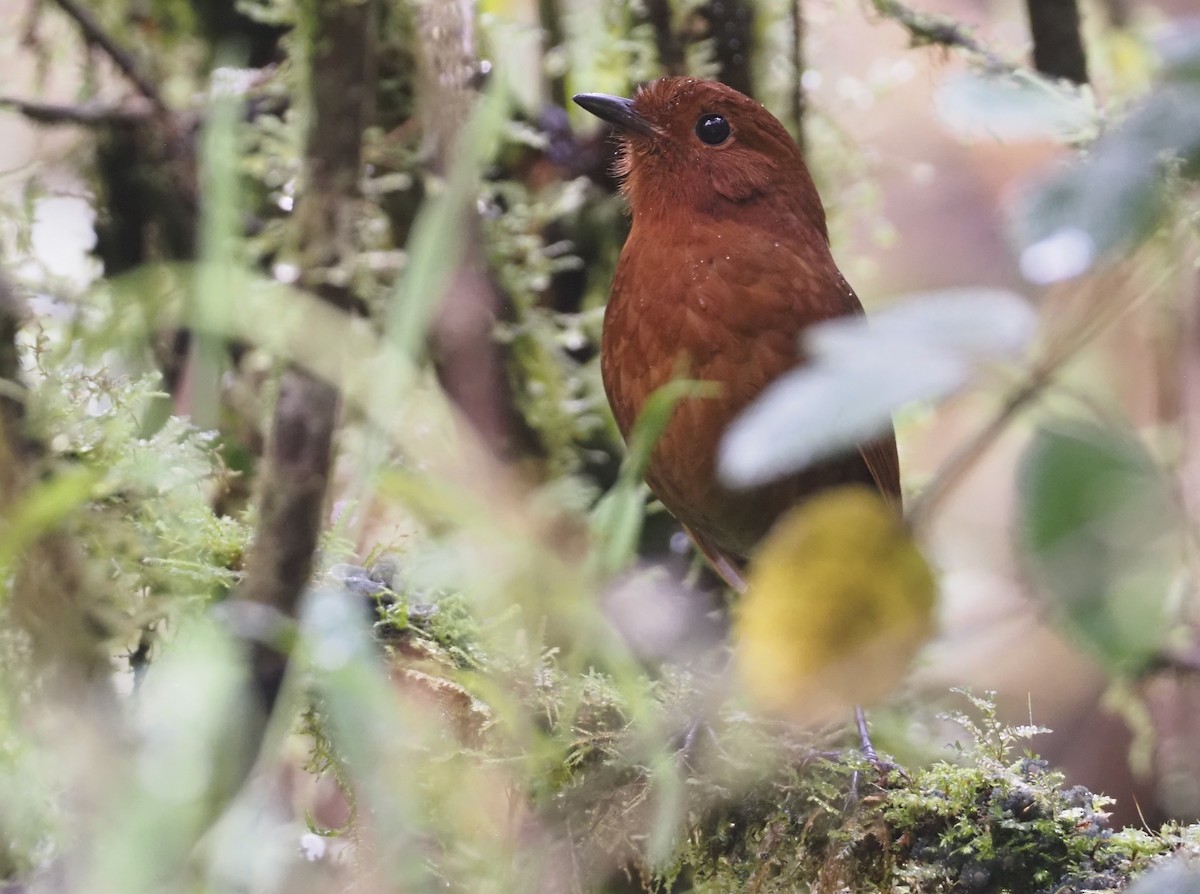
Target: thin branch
[91, 114]
[926, 28]
[12, 310]
[951, 472]
[798, 99]
[965, 457]
[670, 51]
[554, 36]
[97, 36]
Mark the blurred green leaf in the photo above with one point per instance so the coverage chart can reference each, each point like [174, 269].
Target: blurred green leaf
[1098, 528]
[437, 241]
[1177, 876]
[193, 743]
[617, 517]
[372, 373]
[1118, 193]
[1024, 107]
[220, 277]
[40, 510]
[1179, 51]
[860, 371]
[377, 741]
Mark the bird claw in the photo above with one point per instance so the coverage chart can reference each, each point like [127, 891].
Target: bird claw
[882, 767]
[690, 742]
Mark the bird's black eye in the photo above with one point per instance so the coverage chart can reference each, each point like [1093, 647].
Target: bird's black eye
[712, 129]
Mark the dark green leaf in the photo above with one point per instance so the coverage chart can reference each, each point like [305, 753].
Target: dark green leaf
[1098, 528]
[1180, 52]
[42, 509]
[1117, 194]
[617, 517]
[978, 104]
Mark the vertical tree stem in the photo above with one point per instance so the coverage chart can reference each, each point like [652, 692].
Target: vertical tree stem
[299, 447]
[1057, 43]
[798, 99]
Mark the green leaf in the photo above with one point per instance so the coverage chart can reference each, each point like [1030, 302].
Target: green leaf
[860, 371]
[1117, 195]
[1013, 107]
[617, 517]
[436, 243]
[1179, 50]
[192, 743]
[220, 278]
[1098, 528]
[376, 738]
[42, 509]
[653, 420]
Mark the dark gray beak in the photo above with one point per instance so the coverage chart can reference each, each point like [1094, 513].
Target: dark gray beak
[616, 111]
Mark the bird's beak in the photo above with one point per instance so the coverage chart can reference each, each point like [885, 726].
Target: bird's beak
[616, 111]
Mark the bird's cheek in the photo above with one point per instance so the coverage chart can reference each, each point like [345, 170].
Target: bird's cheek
[737, 183]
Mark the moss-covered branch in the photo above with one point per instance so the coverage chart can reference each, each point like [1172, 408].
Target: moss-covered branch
[95, 35]
[934, 29]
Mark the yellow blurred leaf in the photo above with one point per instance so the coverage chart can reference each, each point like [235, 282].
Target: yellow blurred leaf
[839, 600]
[1130, 58]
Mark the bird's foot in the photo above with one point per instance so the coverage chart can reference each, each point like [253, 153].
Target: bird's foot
[690, 742]
[882, 767]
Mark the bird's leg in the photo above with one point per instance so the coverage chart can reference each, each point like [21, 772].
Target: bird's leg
[688, 752]
[864, 736]
[700, 727]
[868, 751]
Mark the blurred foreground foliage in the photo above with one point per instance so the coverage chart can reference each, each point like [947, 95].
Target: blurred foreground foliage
[491, 686]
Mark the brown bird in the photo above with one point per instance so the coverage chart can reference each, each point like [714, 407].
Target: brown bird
[727, 262]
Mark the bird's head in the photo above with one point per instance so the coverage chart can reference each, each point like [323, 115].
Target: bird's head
[704, 148]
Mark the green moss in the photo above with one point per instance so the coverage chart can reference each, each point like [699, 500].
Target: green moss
[626, 763]
[992, 821]
[151, 516]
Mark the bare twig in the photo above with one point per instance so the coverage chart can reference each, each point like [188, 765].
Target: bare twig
[91, 114]
[963, 459]
[1113, 304]
[97, 36]
[926, 29]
